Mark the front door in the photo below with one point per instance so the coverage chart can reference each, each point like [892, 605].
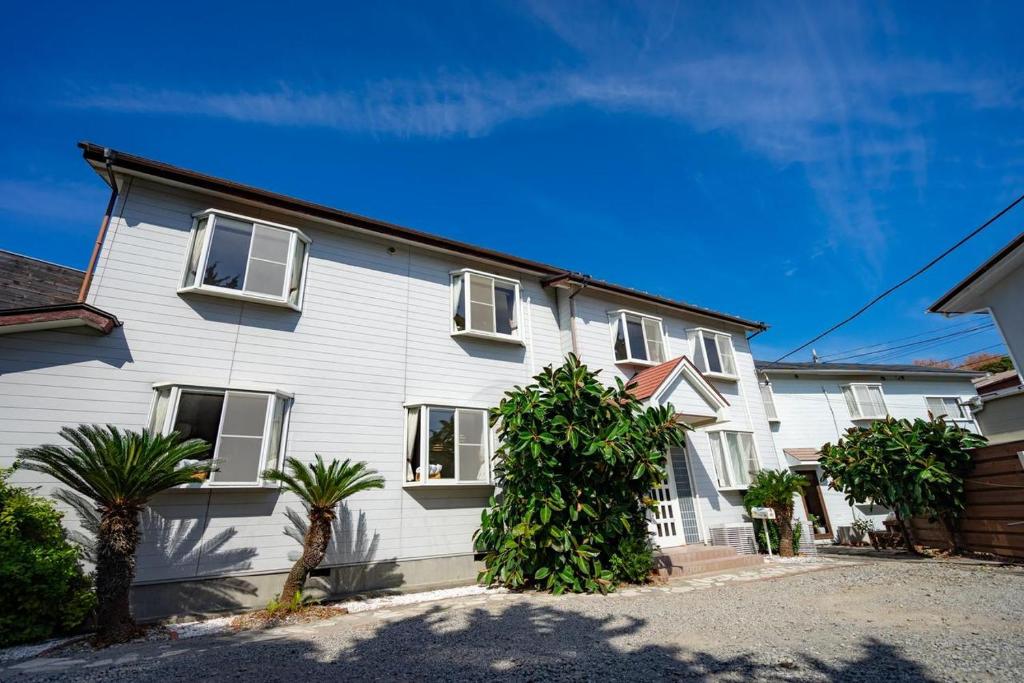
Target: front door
[664, 521]
[814, 504]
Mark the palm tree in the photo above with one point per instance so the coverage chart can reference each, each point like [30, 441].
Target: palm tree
[119, 471]
[321, 487]
[776, 489]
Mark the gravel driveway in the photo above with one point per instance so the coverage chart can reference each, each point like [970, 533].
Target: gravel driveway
[875, 621]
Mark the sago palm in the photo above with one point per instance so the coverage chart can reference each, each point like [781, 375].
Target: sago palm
[776, 489]
[321, 487]
[119, 471]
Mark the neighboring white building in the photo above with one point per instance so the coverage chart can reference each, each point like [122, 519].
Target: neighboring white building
[996, 288]
[811, 404]
[272, 326]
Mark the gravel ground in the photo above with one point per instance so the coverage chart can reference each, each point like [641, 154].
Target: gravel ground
[874, 621]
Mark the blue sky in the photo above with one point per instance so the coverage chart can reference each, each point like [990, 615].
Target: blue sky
[779, 163]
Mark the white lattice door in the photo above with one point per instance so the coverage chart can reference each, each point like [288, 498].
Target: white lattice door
[664, 521]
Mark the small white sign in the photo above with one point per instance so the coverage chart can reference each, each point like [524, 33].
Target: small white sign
[762, 513]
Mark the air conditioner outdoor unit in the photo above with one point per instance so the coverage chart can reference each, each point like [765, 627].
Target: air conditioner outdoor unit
[739, 536]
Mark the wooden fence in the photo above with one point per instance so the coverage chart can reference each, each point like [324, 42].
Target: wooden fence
[994, 519]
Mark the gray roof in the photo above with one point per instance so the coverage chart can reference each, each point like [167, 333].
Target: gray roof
[864, 368]
[26, 282]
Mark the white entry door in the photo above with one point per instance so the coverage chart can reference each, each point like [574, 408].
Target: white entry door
[664, 521]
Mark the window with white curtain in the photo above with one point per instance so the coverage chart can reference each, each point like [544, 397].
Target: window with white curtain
[244, 429]
[446, 445]
[734, 457]
[485, 305]
[948, 407]
[637, 338]
[865, 401]
[713, 353]
[245, 258]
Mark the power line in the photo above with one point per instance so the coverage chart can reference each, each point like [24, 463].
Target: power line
[907, 279]
[935, 344]
[949, 328]
[970, 353]
[920, 342]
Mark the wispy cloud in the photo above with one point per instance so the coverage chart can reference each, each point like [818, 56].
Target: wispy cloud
[803, 90]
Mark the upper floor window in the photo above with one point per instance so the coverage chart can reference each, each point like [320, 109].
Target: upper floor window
[948, 407]
[245, 258]
[485, 305]
[865, 401]
[768, 398]
[245, 429]
[637, 338]
[446, 445]
[735, 458]
[713, 353]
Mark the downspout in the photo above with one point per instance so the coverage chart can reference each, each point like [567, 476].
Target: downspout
[108, 158]
[572, 319]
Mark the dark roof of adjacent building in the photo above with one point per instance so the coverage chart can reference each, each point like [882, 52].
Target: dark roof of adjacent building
[39, 295]
[26, 282]
[99, 157]
[996, 258]
[997, 381]
[863, 368]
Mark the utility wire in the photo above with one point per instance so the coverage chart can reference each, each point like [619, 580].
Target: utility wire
[919, 349]
[907, 279]
[919, 342]
[949, 328]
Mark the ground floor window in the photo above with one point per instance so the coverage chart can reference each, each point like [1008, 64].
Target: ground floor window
[734, 457]
[245, 429]
[446, 445]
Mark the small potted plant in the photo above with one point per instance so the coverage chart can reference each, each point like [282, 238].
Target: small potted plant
[860, 529]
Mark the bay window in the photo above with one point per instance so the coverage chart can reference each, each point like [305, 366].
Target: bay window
[948, 407]
[713, 353]
[244, 429]
[865, 401]
[735, 458]
[637, 338]
[445, 445]
[485, 305]
[245, 258]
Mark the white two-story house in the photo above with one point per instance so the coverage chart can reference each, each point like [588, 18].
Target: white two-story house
[271, 327]
[811, 404]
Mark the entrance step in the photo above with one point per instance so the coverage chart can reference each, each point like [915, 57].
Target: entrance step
[701, 559]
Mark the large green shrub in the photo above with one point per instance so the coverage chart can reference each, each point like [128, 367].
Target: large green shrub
[576, 464]
[912, 468]
[43, 590]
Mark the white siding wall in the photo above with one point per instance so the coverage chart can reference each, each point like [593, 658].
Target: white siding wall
[373, 335]
[812, 411]
[1005, 301]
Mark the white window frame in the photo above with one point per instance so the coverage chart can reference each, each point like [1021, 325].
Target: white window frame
[199, 286]
[965, 415]
[464, 273]
[700, 353]
[617, 320]
[771, 411]
[731, 484]
[860, 414]
[424, 479]
[267, 459]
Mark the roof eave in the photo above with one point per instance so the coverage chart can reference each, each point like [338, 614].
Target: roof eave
[947, 302]
[130, 164]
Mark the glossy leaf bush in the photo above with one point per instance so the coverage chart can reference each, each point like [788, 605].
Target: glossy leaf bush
[575, 466]
[912, 468]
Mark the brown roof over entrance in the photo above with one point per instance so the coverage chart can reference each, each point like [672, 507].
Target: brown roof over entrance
[646, 382]
[808, 455]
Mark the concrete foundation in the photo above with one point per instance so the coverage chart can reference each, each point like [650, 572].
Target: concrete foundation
[182, 600]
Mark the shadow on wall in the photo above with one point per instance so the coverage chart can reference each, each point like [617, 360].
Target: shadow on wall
[174, 548]
[529, 642]
[58, 348]
[352, 547]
